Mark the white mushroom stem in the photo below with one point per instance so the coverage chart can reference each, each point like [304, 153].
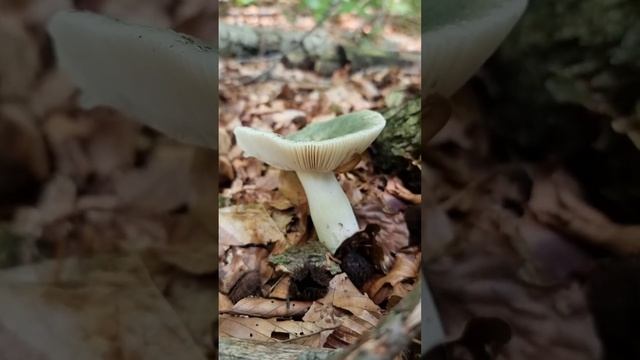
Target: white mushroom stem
[331, 211]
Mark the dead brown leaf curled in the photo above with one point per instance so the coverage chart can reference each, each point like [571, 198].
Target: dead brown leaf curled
[405, 268]
[237, 262]
[271, 330]
[243, 225]
[269, 308]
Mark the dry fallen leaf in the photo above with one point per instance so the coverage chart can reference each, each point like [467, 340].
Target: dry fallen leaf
[291, 187]
[65, 134]
[271, 330]
[53, 92]
[22, 141]
[555, 203]
[194, 301]
[58, 199]
[141, 232]
[19, 62]
[281, 289]
[162, 186]
[397, 189]
[239, 261]
[393, 235]
[551, 259]
[192, 248]
[266, 308]
[244, 225]
[111, 145]
[42, 315]
[344, 295]
[406, 267]
[224, 304]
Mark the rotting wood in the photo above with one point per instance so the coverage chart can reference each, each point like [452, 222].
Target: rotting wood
[236, 349]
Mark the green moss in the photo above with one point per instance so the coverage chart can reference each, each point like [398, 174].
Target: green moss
[224, 201]
[312, 252]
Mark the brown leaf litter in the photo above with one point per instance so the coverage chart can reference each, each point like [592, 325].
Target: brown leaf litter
[504, 241]
[92, 183]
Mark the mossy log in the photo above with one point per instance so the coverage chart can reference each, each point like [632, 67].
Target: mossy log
[567, 89]
[398, 148]
[316, 50]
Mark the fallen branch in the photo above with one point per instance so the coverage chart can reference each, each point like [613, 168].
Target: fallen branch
[236, 349]
[315, 49]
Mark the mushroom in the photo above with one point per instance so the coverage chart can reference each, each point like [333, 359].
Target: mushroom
[458, 36]
[166, 80]
[314, 153]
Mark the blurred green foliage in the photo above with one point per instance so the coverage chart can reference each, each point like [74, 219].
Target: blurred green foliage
[369, 9]
[244, 2]
[364, 8]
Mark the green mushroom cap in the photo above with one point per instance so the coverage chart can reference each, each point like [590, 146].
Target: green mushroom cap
[320, 147]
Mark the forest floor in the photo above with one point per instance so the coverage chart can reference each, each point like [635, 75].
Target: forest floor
[510, 246]
[264, 215]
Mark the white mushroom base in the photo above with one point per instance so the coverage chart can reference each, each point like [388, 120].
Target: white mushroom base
[331, 212]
